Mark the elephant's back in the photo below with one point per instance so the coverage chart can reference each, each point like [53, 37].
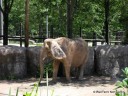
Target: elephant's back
[80, 52]
[76, 50]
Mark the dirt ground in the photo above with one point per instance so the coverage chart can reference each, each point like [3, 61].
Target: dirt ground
[89, 86]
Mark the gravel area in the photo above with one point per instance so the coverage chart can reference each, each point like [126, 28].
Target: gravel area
[89, 86]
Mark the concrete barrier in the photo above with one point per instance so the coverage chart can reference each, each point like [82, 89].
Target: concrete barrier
[89, 67]
[111, 59]
[12, 62]
[17, 62]
[33, 54]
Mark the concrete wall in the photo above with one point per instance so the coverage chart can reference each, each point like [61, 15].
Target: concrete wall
[103, 60]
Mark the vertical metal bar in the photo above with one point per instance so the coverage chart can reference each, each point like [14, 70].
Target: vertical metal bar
[1, 21]
[21, 30]
[40, 32]
[94, 39]
[51, 33]
[47, 34]
[80, 32]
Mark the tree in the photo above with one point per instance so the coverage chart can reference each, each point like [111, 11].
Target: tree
[6, 10]
[106, 22]
[69, 17]
[87, 14]
[26, 23]
[124, 19]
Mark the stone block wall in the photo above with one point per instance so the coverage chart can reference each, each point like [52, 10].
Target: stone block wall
[110, 60]
[104, 60]
[33, 54]
[12, 62]
[89, 67]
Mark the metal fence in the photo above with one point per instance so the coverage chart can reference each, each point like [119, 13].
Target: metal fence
[95, 40]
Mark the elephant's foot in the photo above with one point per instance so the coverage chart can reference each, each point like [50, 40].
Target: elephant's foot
[54, 80]
[69, 80]
[80, 78]
[39, 82]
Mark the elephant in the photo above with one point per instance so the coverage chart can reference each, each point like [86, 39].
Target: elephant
[70, 52]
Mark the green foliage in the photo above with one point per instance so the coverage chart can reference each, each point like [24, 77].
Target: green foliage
[48, 68]
[11, 77]
[123, 19]
[121, 94]
[35, 88]
[16, 92]
[89, 15]
[123, 84]
[9, 92]
[125, 71]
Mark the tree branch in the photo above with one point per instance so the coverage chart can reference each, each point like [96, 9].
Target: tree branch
[10, 5]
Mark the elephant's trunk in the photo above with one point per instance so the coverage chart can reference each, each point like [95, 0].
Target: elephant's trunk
[41, 63]
[41, 71]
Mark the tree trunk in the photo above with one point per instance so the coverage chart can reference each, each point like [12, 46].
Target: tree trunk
[106, 22]
[5, 38]
[6, 16]
[26, 23]
[7, 8]
[69, 18]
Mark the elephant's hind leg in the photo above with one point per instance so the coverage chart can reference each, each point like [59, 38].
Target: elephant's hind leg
[81, 72]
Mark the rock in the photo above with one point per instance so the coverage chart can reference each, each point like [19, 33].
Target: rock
[33, 57]
[89, 67]
[12, 62]
[33, 54]
[110, 60]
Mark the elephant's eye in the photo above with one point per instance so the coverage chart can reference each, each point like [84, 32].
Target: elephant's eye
[48, 52]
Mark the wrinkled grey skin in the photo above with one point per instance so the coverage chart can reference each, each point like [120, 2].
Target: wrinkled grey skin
[72, 53]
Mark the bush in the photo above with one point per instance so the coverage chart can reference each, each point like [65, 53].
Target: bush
[123, 85]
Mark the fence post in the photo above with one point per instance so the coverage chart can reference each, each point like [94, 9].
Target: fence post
[40, 35]
[21, 30]
[117, 38]
[47, 33]
[80, 32]
[1, 23]
[94, 39]
[51, 32]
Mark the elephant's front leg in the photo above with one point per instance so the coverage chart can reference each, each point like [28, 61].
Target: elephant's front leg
[67, 71]
[56, 64]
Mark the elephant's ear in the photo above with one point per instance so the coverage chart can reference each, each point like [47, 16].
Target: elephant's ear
[55, 49]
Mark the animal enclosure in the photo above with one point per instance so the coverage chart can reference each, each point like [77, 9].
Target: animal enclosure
[103, 60]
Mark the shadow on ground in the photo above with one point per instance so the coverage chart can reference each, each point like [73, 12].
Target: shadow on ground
[87, 81]
[27, 80]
